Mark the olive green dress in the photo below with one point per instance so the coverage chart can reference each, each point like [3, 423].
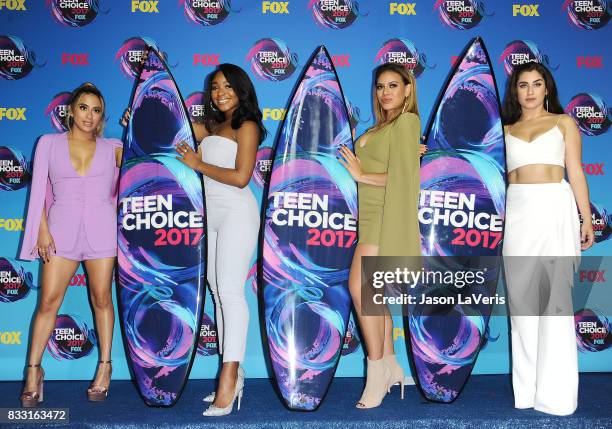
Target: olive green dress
[388, 214]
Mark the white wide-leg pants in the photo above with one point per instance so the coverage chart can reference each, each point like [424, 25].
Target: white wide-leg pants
[542, 247]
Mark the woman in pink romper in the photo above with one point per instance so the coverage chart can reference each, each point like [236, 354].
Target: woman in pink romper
[72, 218]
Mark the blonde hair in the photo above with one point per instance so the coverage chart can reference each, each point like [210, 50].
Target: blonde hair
[86, 88]
[410, 104]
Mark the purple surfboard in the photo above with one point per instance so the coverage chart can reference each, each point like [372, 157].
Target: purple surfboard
[308, 239]
[461, 215]
[161, 239]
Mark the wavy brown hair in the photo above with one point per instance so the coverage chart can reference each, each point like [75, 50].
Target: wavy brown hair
[411, 104]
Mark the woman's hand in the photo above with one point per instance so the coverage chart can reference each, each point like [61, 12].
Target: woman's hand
[187, 155]
[125, 119]
[44, 245]
[350, 162]
[587, 236]
[422, 147]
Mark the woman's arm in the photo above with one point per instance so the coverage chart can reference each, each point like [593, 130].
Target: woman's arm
[239, 176]
[118, 156]
[575, 175]
[45, 245]
[353, 164]
[376, 179]
[399, 230]
[200, 131]
[40, 195]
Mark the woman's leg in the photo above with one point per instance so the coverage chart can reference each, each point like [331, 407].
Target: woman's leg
[388, 348]
[211, 277]
[236, 241]
[56, 275]
[524, 340]
[372, 326]
[522, 277]
[372, 329]
[100, 276]
[557, 366]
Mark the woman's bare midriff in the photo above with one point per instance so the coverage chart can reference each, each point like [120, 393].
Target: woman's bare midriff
[536, 173]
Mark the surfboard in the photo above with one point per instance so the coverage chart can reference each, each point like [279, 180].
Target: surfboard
[461, 215]
[308, 239]
[161, 239]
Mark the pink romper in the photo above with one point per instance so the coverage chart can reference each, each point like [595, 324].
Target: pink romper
[81, 210]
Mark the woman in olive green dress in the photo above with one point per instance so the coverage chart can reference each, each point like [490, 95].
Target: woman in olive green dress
[386, 170]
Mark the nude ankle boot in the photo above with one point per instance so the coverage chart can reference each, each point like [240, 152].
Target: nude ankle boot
[377, 384]
[397, 375]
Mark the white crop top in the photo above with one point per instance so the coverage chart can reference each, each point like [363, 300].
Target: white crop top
[547, 148]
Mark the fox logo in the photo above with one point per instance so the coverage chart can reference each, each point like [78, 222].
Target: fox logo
[275, 7]
[145, 6]
[525, 9]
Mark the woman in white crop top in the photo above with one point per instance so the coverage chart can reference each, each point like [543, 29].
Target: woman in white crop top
[543, 240]
[226, 158]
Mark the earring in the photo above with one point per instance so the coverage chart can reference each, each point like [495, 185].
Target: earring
[212, 106]
[546, 100]
[405, 105]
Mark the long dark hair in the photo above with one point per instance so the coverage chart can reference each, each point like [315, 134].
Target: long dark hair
[248, 107]
[512, 109]
[85, 88]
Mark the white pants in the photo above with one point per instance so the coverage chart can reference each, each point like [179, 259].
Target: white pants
[233, 229]
[542, 240]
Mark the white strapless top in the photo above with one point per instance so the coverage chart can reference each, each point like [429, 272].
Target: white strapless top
[220, 151]
[547, 148]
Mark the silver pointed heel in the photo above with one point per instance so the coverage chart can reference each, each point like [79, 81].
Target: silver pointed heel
[214, 411]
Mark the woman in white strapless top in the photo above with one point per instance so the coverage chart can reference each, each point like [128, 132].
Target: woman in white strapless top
[226, 158]
[543, 240]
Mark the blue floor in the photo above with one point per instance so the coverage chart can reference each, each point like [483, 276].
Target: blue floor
[485, 402]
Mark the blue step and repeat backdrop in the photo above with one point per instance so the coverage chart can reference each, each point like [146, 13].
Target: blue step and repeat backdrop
[49, 47]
